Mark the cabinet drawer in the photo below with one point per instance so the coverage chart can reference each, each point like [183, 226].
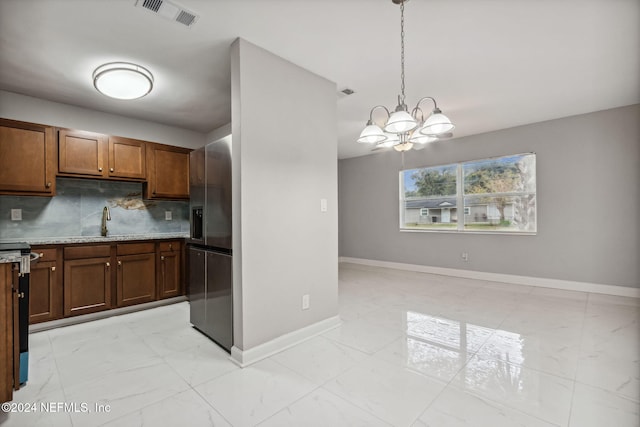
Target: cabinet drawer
[46, 254]
[134, 248]
[169, 246]
[80, 252]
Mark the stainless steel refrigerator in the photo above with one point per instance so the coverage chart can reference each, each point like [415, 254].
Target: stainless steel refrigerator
[209, 247]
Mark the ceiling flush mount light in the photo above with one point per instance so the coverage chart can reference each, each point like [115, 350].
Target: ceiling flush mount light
[123, 80]
[403, 130]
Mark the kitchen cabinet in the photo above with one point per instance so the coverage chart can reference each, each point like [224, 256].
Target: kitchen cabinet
[136, 273]
[169, 269]
[7, 296]
[127, 158]
[87, 279]
[167, 172]
[82, 153]
[45, 282]
[27, 159]
[92, 155]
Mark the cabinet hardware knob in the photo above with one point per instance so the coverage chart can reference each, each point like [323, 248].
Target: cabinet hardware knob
[53, 269]
[99, 169]
[119, 263]
[21, 295]
[170, 246]
[110, 169]
[108, 264]
[48, 185]
[162, 258]
[41, 254]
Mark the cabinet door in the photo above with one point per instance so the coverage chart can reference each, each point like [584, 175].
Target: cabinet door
[6, 333]
[82, 153]
[136, 281]
[169, 272]
[27, 159]
[45, 292]
[87, 285]
[168, 176]
[127, 158]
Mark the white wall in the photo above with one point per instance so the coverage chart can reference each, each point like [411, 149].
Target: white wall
[284, 247]
[28, 109]
[588, 197]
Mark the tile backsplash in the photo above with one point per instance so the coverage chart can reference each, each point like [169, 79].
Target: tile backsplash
[76, 211]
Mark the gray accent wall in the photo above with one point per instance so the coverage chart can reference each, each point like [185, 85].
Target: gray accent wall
[588, 196]
[76, 211]
[284, 162]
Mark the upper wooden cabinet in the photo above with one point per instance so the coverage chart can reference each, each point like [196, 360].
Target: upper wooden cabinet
[94, 155]
[82, 153]
[127, 158]
[27, 159]
[167, 172]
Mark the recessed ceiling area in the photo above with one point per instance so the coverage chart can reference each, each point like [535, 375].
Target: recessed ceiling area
[491, 65]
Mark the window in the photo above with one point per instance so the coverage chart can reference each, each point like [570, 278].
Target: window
[495, 195]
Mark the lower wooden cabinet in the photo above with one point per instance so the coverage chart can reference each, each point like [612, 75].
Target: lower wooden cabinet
[45, 287]
[6, 333]
[136, 277]
[77, 279]
[87, 285]
[169, 269]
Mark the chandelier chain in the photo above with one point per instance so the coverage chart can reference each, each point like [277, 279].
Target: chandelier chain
[402, 50]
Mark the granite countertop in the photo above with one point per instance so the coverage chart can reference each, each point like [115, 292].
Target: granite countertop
[95, 239]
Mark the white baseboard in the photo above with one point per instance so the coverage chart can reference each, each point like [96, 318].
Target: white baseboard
[244, 358]
[568, 285]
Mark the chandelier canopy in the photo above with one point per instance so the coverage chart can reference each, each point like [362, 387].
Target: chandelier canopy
[403, 130]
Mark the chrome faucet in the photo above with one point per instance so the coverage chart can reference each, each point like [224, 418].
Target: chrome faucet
[106, 216]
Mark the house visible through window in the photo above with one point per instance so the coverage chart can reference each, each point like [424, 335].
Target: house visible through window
[495, 195]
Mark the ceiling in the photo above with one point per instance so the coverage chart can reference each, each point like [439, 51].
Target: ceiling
[490, 64]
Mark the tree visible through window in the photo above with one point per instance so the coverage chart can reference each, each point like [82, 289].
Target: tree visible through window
[497, 194]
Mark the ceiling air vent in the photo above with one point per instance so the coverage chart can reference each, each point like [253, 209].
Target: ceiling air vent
[169, 10]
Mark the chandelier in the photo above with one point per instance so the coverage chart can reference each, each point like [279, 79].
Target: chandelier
[403, 130]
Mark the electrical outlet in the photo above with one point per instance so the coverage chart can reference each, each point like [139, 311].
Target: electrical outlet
[168, 216]
[465, 256]
[16, 214]
[305, 302]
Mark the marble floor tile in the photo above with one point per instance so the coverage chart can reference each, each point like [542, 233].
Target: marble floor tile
[187, 408]
[321, 408]
[43, 411]
[391, 393]
[320, 359]
[553, 356]
[201, 363]
[248, 396]
[363, 335]
[413, 349]
[123, 392]
[433, 360]
[594, 407]
[533, 392]
[90, 364]
[455, 408]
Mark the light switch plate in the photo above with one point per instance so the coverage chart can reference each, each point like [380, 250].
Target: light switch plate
[16, 214]
[323, 205]
[168, 216]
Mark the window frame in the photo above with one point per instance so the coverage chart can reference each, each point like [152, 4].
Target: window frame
[460, 196]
